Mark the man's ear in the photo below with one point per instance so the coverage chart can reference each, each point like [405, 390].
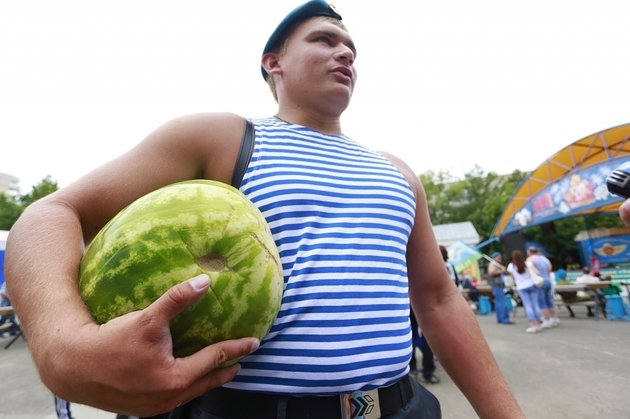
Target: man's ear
[271, 62]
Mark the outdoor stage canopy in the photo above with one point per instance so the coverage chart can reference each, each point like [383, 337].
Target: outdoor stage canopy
[572, 182]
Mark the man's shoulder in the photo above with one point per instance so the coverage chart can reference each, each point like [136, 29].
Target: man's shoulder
[210, 139]
[214, 119]
[207, 130]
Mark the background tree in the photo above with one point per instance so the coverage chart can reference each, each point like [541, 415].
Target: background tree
[479, 198]
[11, 207]
[10, 210]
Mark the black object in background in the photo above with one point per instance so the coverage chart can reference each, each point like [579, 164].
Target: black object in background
[618, 181]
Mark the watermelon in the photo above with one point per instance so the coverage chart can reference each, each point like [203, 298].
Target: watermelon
[173, 234]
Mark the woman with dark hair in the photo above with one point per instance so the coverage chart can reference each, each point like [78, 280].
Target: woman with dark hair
[527, 290]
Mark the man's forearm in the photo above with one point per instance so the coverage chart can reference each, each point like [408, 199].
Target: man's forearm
[458, 343]
[42, 262]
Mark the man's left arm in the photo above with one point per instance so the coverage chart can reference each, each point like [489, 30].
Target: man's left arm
[447, 321]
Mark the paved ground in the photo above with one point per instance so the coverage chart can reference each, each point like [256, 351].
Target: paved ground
[578, 370]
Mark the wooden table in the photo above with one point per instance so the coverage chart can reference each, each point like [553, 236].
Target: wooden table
[484, 289]
[598, 285]
[570, 288]
[480, 290]
[6, 311]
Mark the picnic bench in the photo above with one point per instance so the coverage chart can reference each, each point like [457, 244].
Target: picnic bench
[591, 299]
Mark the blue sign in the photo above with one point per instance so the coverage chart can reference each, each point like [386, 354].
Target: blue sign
[610, 250]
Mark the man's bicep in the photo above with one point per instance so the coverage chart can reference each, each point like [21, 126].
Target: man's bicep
[177, 151]
[428, 277]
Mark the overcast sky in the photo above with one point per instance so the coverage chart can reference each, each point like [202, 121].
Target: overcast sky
[444, 84]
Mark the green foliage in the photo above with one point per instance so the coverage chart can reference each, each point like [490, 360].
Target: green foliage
[10, 210]
[11, 207]
[479, 198]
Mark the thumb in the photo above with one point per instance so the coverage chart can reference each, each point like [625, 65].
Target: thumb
[181, 296]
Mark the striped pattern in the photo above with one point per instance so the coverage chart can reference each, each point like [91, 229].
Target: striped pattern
[62, 408]
[341, 216]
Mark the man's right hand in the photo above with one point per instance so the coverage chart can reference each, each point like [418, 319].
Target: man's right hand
[127, 365]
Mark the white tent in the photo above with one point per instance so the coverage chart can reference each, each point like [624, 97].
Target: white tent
[447, 234]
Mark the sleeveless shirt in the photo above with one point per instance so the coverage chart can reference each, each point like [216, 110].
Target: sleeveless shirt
[340, 215]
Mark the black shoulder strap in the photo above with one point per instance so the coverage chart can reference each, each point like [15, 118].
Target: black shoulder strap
[244, 154]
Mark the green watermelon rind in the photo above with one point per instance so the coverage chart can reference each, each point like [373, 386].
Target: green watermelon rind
[139, 255]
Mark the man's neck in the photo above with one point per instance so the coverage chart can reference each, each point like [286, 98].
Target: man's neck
[326, 124]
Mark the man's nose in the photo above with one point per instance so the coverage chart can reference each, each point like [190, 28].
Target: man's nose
[345, 54]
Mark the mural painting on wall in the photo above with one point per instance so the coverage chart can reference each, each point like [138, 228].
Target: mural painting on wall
[610, 250]
[581, 190]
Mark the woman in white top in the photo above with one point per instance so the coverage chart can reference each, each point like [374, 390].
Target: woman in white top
[527, 290]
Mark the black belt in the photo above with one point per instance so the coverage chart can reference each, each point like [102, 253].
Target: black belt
[235, 404]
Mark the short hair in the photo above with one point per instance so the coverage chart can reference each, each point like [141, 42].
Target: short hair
[532, 249]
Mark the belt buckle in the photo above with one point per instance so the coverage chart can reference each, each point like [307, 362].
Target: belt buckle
[360, 405]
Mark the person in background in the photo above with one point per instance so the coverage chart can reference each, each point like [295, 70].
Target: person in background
[355, 240]
[428, 362]
[415, 343]
[586, 277]
[450, 268]
[527, 291]
[7, 321]
[596, 295]
[545, 292]
[560, 275]
[614, 289]
[569, 297]
[473, 292]
[4, 296]
[496, 273]
[428, 357]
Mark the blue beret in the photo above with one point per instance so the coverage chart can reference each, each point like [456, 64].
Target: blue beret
[306, 11]
[495, 254]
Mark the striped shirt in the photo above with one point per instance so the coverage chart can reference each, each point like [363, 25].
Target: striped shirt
[341, 216]
[62, 408]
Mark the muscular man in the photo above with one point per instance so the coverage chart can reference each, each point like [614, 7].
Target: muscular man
[355, 239]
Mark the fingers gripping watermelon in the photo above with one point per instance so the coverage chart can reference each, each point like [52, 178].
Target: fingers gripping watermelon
[178, 232]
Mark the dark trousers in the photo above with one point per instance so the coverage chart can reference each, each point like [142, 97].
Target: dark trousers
[422, 405]
[417, 340]
[500, 304]
[428, 361]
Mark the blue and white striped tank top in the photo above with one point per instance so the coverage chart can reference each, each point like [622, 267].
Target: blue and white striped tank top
[341, 216]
